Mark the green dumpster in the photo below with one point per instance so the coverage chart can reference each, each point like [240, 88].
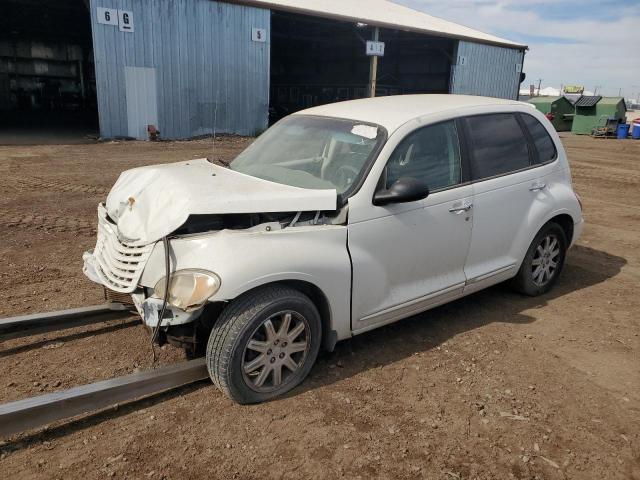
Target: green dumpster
[558, 110]
[596, 110]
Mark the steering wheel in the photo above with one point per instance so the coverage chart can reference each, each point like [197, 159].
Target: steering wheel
[344, 176]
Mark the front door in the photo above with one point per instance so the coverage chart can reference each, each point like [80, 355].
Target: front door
[409, 257]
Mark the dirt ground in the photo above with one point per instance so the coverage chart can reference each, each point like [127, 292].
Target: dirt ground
[489, 387]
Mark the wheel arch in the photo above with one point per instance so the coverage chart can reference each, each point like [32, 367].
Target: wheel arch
[566, 223]
[318, 298]
[562, 217]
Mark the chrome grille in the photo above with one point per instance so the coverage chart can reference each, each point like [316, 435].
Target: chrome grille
[119, 265]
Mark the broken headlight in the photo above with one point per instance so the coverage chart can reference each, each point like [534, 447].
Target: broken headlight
[188, 289]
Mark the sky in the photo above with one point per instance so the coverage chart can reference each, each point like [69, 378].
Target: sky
[587, 42]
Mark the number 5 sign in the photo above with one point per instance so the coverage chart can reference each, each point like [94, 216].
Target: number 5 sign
[259, 35]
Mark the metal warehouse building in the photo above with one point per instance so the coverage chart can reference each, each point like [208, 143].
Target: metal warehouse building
[190, 67]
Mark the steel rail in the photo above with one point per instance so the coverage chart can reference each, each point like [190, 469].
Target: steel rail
[26, 325]
[39, 411]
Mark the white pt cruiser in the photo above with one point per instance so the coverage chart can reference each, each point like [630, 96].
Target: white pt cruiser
[337, 220]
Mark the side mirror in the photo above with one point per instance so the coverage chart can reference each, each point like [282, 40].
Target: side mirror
[405, 189]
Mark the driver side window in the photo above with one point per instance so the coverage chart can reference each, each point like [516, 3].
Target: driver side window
[430, 154]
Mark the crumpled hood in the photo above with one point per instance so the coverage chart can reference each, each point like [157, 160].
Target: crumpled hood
[150, 202]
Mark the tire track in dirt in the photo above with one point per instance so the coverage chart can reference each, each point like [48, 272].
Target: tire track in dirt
[54, 222]
[601, 175]
[35, 183]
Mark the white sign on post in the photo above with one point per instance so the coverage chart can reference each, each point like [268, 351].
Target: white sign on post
[107, 16]
[375, 49]
[125, 20]
[259, 35]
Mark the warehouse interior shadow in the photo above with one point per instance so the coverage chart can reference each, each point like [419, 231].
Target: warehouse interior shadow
[47, 74]
[585, 267]
[329, 63]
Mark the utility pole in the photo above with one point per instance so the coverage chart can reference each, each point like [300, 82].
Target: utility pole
[373, 65]
[539, 83]
[620, 92]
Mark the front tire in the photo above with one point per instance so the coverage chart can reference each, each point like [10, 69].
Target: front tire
[543, 262]
[264, 344]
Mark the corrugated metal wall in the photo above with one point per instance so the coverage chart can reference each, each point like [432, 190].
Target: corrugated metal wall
[208, 70]
[486, 70]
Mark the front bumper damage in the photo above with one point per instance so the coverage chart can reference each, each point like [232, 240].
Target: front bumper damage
[117, 266]
[148, 308]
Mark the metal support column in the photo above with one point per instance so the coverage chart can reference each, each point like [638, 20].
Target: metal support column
[373, 66]
[83, 90]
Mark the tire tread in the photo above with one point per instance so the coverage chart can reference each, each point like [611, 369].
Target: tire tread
[521, 282]
[230, 325]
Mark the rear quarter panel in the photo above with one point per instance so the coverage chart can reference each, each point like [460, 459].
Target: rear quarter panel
[556, 199]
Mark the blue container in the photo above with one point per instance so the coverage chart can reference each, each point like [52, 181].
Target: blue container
[635, 131]
[623, 130]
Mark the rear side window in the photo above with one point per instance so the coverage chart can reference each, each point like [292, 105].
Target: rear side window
[498, 145]
[544, 145]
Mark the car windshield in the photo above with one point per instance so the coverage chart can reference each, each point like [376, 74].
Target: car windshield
[312, 152]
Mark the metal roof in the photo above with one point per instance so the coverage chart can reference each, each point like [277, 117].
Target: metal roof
[586, 101]
[611, 100]
[544, 99]
[393, 111]
[381, 13]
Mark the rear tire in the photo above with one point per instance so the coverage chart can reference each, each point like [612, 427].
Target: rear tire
[543, 262]
[264, 344]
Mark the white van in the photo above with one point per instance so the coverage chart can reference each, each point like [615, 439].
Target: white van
[337, 220]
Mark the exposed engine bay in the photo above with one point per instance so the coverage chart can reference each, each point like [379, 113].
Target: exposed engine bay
[240, 221]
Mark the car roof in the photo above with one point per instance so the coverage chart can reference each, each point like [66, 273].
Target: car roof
[394, 111]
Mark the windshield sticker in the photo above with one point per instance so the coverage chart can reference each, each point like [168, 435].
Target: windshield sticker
[366, 131]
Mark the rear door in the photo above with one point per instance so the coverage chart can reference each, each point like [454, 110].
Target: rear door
[509, 177]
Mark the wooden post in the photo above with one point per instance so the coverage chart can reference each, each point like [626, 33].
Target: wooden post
[373, 66]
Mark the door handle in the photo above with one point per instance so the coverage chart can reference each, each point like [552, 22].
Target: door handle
[461, 209]
[537, 186]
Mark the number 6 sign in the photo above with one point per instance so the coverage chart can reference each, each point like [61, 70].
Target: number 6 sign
[107, 16]
[125, 20]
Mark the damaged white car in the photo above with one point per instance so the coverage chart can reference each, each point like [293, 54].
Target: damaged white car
[337, 220]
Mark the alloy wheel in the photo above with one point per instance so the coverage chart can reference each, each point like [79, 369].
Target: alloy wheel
[545, 260]
[276, 350]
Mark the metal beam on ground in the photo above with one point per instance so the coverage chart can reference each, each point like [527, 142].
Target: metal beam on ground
[35, 412]
[25, 325]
